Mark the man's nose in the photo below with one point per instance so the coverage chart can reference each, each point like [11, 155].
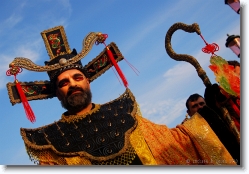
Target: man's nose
[73, 83]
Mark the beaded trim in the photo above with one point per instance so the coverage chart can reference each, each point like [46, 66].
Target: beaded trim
[33, 149]
[73, 118]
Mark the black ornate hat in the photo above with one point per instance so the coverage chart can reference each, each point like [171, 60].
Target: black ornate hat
[61, 59]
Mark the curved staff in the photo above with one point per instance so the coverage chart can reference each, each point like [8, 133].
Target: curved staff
[87, 44]
[185, 57]
[201, 73]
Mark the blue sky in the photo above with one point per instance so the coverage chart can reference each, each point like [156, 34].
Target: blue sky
[138, 28]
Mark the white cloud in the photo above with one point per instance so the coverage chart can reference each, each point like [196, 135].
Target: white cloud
[3, 68]
[10, 22]
[166, 102]
[15, 18]
[164, 111]
[170, 83]
[67, 5]
[175, 111]
[27, 51]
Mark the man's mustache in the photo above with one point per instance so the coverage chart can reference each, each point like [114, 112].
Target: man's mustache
[74, 89]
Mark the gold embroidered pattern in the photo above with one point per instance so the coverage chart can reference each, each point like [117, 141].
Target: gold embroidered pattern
[142, 149]
[45, 151]
[163, 144]
[137, 146]
[184, 145]
[208, 140]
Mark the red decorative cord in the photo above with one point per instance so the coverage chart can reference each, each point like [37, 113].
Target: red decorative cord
[210, 48]
[14, 70]
[101, 39]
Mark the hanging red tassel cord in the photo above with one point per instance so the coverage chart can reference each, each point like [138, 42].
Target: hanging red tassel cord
[111, 57]
[132, 67]
[210, 48]
[116, 75]
[28, 110]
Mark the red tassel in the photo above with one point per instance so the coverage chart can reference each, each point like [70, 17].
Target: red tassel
[209, 48]
[14, 70]
[110, 55]
[101, 39]
[29, 113]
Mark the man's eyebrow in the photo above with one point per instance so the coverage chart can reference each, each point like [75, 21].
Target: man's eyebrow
[78, 75]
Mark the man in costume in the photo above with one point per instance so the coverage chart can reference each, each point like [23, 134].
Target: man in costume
[216, 97]
[193, 104]
[110, 133]
[196, 103]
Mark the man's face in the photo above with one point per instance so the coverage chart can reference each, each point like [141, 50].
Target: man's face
[195, 105]
[73, 90]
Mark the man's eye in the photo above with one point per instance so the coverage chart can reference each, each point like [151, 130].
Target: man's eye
[79, 78]
[62, 84]
[202, 103]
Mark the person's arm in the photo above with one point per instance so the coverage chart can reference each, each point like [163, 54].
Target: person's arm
[222, 131]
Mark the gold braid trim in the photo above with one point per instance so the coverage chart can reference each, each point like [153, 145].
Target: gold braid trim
[45, 157]
[73, 118]
[48, 153]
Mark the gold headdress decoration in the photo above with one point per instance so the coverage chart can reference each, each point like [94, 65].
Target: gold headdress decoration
[61, 59]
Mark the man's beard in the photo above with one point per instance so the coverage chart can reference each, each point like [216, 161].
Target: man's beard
[78, 101]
